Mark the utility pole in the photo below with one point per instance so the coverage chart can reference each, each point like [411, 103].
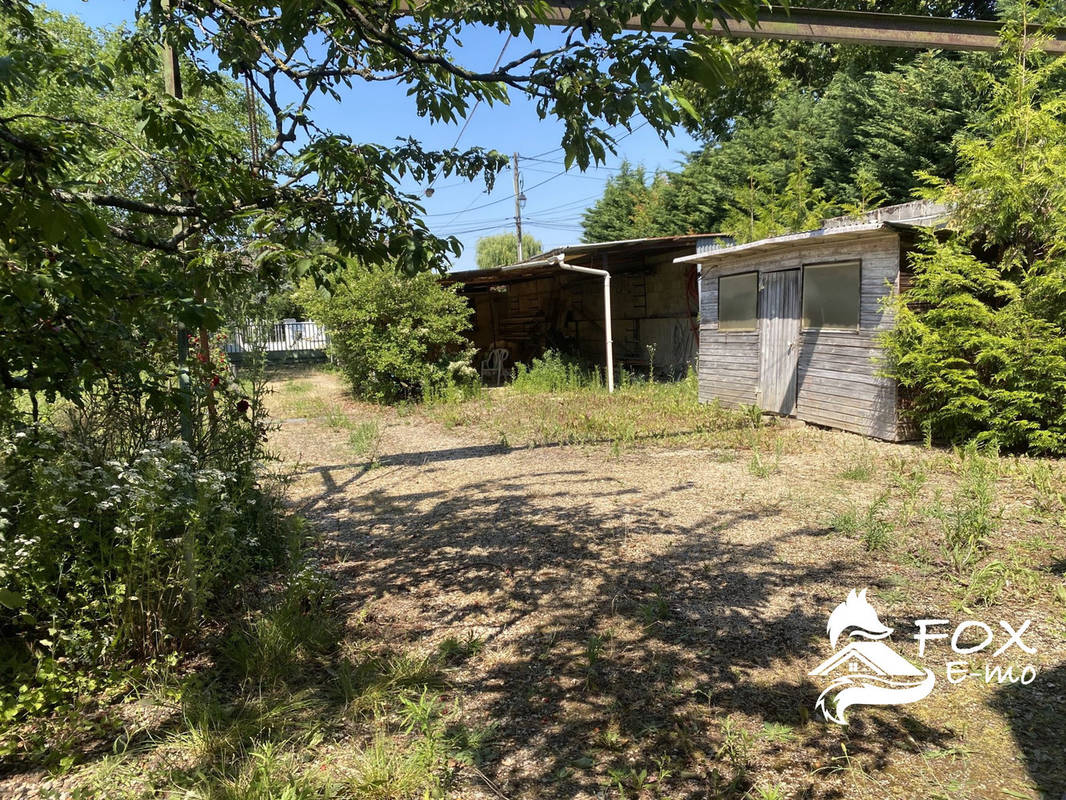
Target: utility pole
[518, 198]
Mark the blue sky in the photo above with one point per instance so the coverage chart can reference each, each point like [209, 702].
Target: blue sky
[381, 112]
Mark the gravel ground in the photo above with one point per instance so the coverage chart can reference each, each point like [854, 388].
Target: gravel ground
[647, 620]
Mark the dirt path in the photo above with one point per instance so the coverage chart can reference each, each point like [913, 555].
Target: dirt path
[643, 619]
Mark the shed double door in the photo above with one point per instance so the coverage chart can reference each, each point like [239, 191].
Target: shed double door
[779, 328]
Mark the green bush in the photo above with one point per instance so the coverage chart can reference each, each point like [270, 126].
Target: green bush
[395, 337]
[116, 540]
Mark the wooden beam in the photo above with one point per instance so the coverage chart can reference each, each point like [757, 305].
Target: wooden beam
[845, 27]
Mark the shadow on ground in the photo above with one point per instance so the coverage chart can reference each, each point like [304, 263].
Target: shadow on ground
[620, 646]
[1037, 717]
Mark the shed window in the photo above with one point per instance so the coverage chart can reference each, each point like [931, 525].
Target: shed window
[831, 296]
[737, 302]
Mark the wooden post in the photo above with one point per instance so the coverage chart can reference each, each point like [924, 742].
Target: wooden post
[172, 83]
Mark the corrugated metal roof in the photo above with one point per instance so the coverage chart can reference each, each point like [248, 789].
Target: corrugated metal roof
[648, 243]
[918, 212]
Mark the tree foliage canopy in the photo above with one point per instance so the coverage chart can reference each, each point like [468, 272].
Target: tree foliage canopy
[852, 145]
[90, 199]
[802, 129]
[981, 336]
[498, 251]
[617, 214]
[761, 68]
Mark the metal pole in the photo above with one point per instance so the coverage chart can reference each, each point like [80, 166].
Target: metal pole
[793, 23]
[607, 330]
[517, 208]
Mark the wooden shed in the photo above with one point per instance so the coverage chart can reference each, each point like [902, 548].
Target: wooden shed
[535, 305]
[791, 324]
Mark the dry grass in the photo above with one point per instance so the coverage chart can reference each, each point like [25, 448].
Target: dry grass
[633, 613]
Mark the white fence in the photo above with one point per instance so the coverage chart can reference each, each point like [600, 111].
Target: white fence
[281, 338]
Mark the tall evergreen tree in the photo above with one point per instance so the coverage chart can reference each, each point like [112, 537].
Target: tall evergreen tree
[981, 337]
[858, 143]
[613, 216]
[762, 68]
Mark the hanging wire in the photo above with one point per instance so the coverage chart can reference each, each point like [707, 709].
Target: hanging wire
[471, 207]
[470, 116]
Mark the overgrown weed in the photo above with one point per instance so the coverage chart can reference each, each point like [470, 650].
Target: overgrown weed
[764, 465]
[365, 440]
[988, 583]
[861, 469]
[555, 402]
[970, 518]
[285, 688]
[873, 524]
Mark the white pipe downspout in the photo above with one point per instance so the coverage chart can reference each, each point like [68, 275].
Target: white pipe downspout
[606, 311]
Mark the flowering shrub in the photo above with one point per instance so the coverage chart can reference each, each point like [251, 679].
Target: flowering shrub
[109, 550]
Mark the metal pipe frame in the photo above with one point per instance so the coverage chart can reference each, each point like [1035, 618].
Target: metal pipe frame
[845, 27]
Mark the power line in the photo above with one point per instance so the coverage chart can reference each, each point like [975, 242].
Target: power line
[541, 155]
[568, 222]
[502, 199]
[572, 204]
[563, 163]
[580, 175]
[470, 116]
[561, 207]
[563, 221]
[554, 149]
[626, 135]
[496, 202]
[474, 222]
[499, 58]
[531, 188]
[499, 227]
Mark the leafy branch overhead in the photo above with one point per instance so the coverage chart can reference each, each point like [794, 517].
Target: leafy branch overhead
[345, 191]
[124, 208]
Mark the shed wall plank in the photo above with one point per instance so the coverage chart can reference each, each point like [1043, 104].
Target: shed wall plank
[839, 384]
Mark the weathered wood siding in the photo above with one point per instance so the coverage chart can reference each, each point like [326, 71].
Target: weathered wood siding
[837, 373]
